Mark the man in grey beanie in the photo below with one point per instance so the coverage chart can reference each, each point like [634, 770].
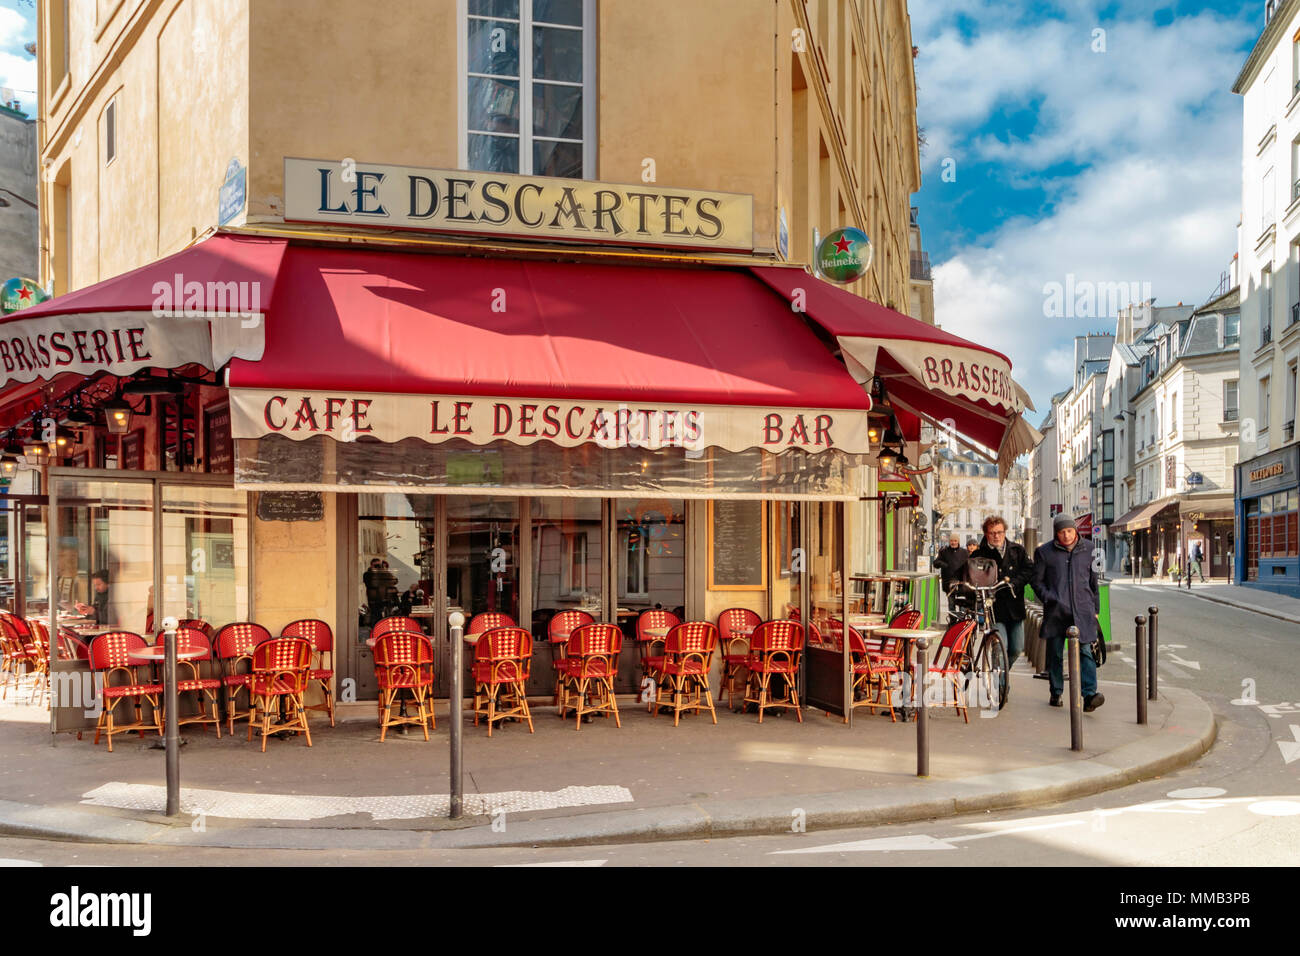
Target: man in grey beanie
[1066, 582]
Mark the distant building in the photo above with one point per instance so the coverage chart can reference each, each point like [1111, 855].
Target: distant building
[19, 222]
[969, 491]
[921, 301]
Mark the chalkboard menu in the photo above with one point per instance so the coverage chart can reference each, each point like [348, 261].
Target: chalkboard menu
[290, 505]
[737, 546]
[221, 452]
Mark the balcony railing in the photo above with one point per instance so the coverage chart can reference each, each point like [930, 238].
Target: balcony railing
[1266, 335]
[920, 263]
[1230, 414]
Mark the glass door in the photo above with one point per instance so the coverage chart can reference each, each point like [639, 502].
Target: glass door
[482, 565]
[567, 557]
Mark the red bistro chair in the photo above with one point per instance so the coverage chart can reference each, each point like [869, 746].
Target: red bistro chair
[404, 662]
[281, 669]
[193, 639]
[198, 625]
[39, 641]
[390, 624]
[735, 627]
[951, 664]
[590, 666]
[322, 643]
[684, 671]
[870, 674]
[110, 654]
[501, 661]
[656, 619]
[235, 643]
[557, 635]
[775, 649]
[889, 650]
[488, 620]
[72, 647]
[20, 653]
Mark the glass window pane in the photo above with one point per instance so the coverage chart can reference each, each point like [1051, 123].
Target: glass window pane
[558, 11]
[567, 555]
[557, 110]
[825, 554]
[786, 577]
[396, 544]
[482, 555]
[37, 558]
[651, 570]
[205, 554]
[493, 105]
[557, 54]
[494, 8]
[494, 47]
[497, 154]
[557, 159]
[104, 571]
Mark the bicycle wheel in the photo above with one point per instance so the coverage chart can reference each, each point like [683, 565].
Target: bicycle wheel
[992, 670]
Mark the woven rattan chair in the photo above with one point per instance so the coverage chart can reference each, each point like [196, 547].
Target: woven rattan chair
[775, 650]
[590, 666]
[558, 630]
[735, 627]
[682, 679]
[110, 655]
[193, 639]
[873, 679]
[404, 663]
[281, 670]
[322, 642]
[501, 660]
[235, 643]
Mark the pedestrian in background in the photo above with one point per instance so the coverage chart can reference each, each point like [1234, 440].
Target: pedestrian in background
[1013, 565]
[1197, 557]
[1066, 584]
[950, 561]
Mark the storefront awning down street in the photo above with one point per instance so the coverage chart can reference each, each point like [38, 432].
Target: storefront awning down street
[935, 374]
[202, 306]
[398, 346]
[1139, 518]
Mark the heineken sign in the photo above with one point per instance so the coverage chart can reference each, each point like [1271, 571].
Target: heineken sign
[353, 193]
[844, 256]
[19, 293]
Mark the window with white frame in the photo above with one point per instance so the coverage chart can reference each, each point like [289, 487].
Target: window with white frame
[528, 94]
[1230, 400]
[1263, 405]
[1288, 412]
[1266, 200]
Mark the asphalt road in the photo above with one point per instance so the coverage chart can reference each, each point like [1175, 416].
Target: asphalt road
[1238, 805]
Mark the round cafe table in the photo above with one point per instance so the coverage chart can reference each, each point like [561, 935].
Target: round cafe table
[155, 655]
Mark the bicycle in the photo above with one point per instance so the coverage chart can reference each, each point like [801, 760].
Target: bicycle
[987, 663]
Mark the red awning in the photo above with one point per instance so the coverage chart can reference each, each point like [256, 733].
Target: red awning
[200, 306]
[934, 373]
[384, 328]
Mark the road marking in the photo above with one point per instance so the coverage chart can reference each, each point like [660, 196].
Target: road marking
[1196, 793]
[1025, 829]
[290, 806]
[4, 862]
[559, 863]
[1291, 748]
[885, 844]
[1275, 808]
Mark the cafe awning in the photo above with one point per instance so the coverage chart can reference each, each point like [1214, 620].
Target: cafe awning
[203, 305]
[1139, 518]
[935, 374]
[1208, 508]
[396, 345]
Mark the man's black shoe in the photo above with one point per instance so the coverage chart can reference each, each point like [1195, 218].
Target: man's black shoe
[1056, 700]
[1092, 703]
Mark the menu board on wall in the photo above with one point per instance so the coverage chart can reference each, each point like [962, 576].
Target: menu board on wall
[220, 448]
[737, 546]
[131, 448]
[290, 506]
[285, 460]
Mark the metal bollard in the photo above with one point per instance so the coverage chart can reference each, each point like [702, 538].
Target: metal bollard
[457, 623]
[1076, 702]
[1140, 642]
[922, 715]
[1153, 652]
[171, 731]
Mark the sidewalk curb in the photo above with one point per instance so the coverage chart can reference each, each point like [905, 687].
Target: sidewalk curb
[1189, 732]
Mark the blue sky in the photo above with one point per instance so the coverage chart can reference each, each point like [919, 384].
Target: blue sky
[1112, 156]
[17, 67]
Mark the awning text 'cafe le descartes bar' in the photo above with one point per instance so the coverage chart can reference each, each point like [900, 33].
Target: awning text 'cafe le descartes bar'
[442, 390]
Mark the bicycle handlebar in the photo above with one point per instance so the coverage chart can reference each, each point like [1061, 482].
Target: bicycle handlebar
[991, 590]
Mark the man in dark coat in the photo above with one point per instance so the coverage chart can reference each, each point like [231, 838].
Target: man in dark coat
[1066, 582]
[950, 561]
[1014, 565]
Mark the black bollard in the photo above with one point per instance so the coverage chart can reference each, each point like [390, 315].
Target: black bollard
[1153, 652]
[171, 732]
[1140, 642]
[1076, 702]
[922, 715]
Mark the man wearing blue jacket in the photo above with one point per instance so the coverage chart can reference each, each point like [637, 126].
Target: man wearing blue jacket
[1066, 582]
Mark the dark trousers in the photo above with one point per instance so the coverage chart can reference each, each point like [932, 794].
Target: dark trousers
[1056, 662]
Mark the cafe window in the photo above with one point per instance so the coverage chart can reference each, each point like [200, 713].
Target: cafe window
[566, 556]
[528, 90]
[650, 535]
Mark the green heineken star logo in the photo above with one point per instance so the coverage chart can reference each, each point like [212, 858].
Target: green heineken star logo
[19, 293]
[845, 255]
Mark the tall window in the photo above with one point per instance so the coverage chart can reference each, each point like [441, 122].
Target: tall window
[1263, 404]
[1266, 200]
[529, 95]
[1230, 401]
[110, 132]
[1266, 307]
[1173, 414]
[1231, 329]
[1288, 413]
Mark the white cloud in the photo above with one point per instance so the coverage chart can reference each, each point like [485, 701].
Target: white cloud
[14, 28]
[1153, 124]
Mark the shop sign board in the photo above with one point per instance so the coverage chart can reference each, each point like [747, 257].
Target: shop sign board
[480, 420]
[380, 195]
